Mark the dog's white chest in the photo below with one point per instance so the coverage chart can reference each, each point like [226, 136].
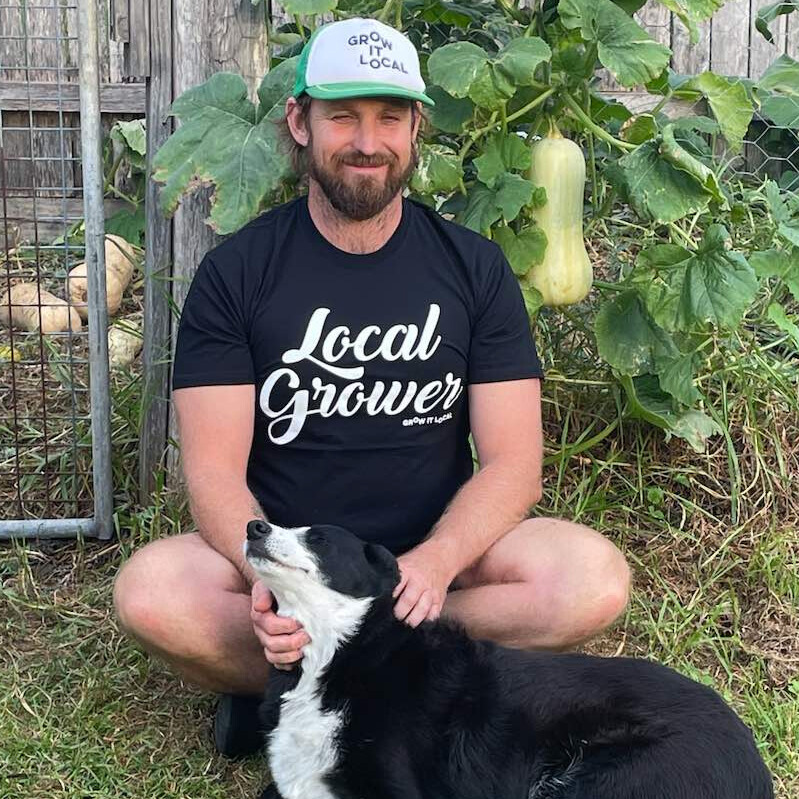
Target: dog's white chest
[302, 748]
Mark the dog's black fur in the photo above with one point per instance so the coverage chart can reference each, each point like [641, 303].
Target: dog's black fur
[433, 714]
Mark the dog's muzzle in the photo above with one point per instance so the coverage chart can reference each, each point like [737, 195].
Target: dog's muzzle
[258, 529]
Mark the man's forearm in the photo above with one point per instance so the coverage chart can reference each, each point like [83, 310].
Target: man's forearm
[221, 507]
[490, 504]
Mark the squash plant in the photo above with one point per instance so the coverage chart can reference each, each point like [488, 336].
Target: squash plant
[502, 76]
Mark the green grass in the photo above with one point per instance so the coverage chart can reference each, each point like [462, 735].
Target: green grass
[713, 540]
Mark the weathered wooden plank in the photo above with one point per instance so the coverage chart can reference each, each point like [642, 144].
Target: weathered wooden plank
[687, 58]
[115, 98]
[50, 215]
[141, 38]
[792, 35]
[40, 155]
[637, 102]
[729, 48]
[156, 352]
[209, 36]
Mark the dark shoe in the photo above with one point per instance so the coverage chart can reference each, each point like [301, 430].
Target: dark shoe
[237, 730]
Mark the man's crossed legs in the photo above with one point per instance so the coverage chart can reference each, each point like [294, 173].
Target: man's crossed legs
[546, 584]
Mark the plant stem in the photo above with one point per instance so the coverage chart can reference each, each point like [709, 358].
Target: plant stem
[493, 123]
[531, 105]
[592, 126]
[592, 159]
[113, 173]
[581, 446]
[680, 233]
[300, 26]
[601, 284]
[661, 103]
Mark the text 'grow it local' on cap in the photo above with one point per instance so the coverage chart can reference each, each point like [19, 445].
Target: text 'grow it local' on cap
[359, 58]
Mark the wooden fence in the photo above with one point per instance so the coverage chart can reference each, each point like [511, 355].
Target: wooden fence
[153, 50]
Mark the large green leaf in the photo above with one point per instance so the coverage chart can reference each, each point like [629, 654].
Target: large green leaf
[524, 250]
[778, 92]
[276, 87]
[786, 218]
[513, 193]
[439, 170]
[770, 12]
[519, 58]
[220, 143]
[481, 209]
[658, 187]
[781, 264]
[647, 400]
[730, 104]
[450, 113]
[691, 12]
[787, 324]
[676, 376]
[455, 67]
[658, 275]
[491, 88]
[308, 6]
[719, 284]
[502, 153]
[629, 339]
[623, 46]
[679, 157]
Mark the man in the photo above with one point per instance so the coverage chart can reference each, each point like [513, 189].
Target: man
[333, 357]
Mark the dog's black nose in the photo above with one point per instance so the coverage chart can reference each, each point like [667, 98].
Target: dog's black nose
[257, 529]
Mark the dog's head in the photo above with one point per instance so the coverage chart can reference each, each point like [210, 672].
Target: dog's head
[321, 554]
[323, 576]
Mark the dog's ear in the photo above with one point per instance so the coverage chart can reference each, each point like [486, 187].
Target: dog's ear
[380, 557]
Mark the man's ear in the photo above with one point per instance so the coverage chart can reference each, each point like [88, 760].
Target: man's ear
[298, 125]
[385, 562]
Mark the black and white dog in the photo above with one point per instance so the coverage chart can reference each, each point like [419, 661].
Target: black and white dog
[380, 710]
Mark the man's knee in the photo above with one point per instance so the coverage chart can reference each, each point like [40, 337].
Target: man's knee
[607, 586]
[142, 591]
[584, 570]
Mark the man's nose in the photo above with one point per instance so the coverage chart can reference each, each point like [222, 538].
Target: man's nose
[366, 137]
[257, 529]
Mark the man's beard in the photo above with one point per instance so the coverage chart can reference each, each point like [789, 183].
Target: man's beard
[361, 196]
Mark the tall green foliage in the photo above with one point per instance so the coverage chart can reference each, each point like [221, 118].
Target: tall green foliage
[498, 73]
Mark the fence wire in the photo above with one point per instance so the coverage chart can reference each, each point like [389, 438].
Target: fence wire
[48, 480]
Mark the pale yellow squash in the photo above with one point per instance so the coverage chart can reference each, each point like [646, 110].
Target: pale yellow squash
[565, 275]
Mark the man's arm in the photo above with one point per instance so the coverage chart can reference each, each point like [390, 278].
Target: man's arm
[216, 429]
[505, 420]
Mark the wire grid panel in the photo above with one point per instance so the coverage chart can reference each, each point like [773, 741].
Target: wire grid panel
[46, 475]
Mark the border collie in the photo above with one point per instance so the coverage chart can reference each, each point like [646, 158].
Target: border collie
[380, 710]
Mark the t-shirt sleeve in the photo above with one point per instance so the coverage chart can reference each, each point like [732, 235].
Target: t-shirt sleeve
[212, 346]
[502, 345]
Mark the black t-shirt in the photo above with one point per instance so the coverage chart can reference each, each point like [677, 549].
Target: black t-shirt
[360, 363]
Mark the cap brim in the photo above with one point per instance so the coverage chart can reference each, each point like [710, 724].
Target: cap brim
[341, 91]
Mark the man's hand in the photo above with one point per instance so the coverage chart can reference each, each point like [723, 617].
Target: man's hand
[281, 638]
[422, 589]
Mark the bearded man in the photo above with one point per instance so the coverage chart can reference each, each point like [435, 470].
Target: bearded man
[332, 360]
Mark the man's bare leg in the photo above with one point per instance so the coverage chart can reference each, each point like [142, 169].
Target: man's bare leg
[189, 605]
[547, 584]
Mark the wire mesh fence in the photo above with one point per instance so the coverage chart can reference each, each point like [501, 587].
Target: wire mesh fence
[47, 465]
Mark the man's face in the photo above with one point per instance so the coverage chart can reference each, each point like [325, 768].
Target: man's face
[362, 152]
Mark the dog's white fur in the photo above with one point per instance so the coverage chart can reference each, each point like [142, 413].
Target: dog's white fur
[302, 748]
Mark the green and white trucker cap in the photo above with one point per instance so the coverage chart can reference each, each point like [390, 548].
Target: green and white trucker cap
[359, 58]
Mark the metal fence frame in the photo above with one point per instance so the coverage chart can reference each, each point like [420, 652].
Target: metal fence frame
[100, 525]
